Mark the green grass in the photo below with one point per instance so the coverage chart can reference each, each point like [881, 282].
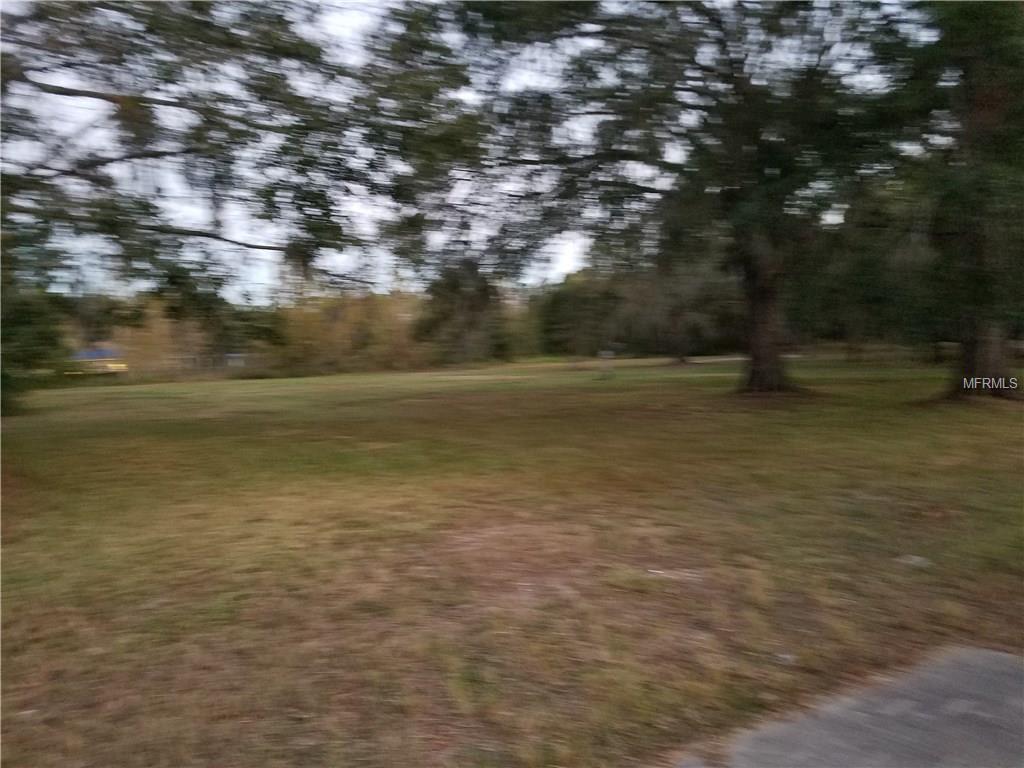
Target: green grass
[523, 565]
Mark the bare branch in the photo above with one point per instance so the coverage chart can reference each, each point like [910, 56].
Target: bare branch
[98, 162]
[156, 101]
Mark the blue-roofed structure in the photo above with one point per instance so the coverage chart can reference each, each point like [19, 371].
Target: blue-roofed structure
[98, 359]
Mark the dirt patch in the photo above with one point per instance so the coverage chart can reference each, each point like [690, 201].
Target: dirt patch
[519, 564]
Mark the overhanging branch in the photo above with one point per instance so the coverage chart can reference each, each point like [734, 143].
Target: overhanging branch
[98, 162]
[206, 235]
[155, 101]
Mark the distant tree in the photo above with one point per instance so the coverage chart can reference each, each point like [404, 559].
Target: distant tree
[977, 229]
[463, 315]
[675, 132]
[864, 278]
[31, 339]
[577, 316]
[784, 127]
[693, 310]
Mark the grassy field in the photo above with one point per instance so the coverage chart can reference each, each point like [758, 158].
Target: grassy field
[509, 566]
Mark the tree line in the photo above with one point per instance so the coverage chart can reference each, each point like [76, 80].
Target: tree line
[462, 318]
[837, 168]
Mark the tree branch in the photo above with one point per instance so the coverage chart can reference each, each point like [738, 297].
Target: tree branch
[156, 101]
[98, 162]
[602, 156]
[112, 98]
[165, 229]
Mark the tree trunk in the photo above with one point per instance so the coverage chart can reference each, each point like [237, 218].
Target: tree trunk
[680, 339]
[854, 337]
[765, 369]
[983, 369]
